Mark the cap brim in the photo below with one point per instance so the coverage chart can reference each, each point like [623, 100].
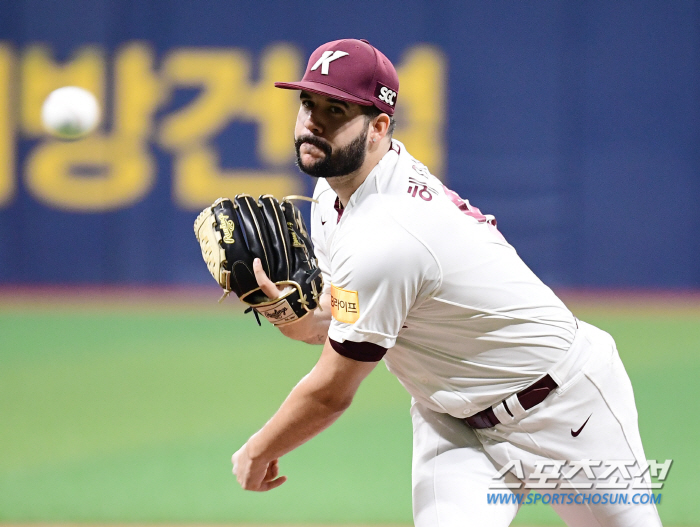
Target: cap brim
[323, 89]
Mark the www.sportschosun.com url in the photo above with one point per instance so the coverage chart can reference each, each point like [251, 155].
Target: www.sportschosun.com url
[586, 498]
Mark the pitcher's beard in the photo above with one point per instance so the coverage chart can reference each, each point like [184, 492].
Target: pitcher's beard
[342, 162]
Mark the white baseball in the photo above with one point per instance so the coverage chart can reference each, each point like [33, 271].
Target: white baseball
[70, 112]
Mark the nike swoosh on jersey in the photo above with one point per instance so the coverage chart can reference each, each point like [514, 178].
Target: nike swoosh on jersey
[577, 432]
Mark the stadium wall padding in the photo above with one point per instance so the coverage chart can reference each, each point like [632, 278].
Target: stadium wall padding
[577, 124]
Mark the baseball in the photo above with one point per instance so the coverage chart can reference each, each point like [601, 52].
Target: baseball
[70, 112]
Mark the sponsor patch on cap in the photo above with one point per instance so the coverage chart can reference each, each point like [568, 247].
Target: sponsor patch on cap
[345, 305]
[385, 94]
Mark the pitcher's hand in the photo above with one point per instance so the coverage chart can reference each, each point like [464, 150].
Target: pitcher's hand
[266, 285]
[256, 475]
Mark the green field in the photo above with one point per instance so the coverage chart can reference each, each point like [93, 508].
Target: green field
[113, 413]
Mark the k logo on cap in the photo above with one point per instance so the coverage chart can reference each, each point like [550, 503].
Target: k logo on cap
[365, 76]
[326, 59]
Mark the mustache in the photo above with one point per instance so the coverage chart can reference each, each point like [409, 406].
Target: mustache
[314, 141]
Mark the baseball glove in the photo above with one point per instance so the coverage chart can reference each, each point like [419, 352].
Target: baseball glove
[232, 234]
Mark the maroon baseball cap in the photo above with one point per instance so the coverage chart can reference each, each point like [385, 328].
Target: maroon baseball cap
[350, 70]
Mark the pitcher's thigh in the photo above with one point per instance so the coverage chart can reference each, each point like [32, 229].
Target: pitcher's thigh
[452, 475]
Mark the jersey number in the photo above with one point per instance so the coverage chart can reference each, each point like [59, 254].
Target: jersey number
[424, 193]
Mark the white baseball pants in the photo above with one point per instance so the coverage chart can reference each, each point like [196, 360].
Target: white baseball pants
[454, 466]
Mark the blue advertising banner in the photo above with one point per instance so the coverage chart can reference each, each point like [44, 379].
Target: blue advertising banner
[577, 124]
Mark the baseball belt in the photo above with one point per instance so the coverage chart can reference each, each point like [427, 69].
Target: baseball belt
[528, 398]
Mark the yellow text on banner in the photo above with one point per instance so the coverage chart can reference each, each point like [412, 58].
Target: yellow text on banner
[7, 126]
[104, 171]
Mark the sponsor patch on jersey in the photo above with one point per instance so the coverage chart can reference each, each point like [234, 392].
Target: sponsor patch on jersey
[345, 305]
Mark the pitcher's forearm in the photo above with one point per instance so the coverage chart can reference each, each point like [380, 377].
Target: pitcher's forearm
[312, 406]
[301, 417]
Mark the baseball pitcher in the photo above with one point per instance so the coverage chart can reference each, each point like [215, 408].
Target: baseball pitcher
[508, 386]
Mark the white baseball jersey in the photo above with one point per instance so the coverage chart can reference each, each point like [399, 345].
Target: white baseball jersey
[417, 273]
[421, 278]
